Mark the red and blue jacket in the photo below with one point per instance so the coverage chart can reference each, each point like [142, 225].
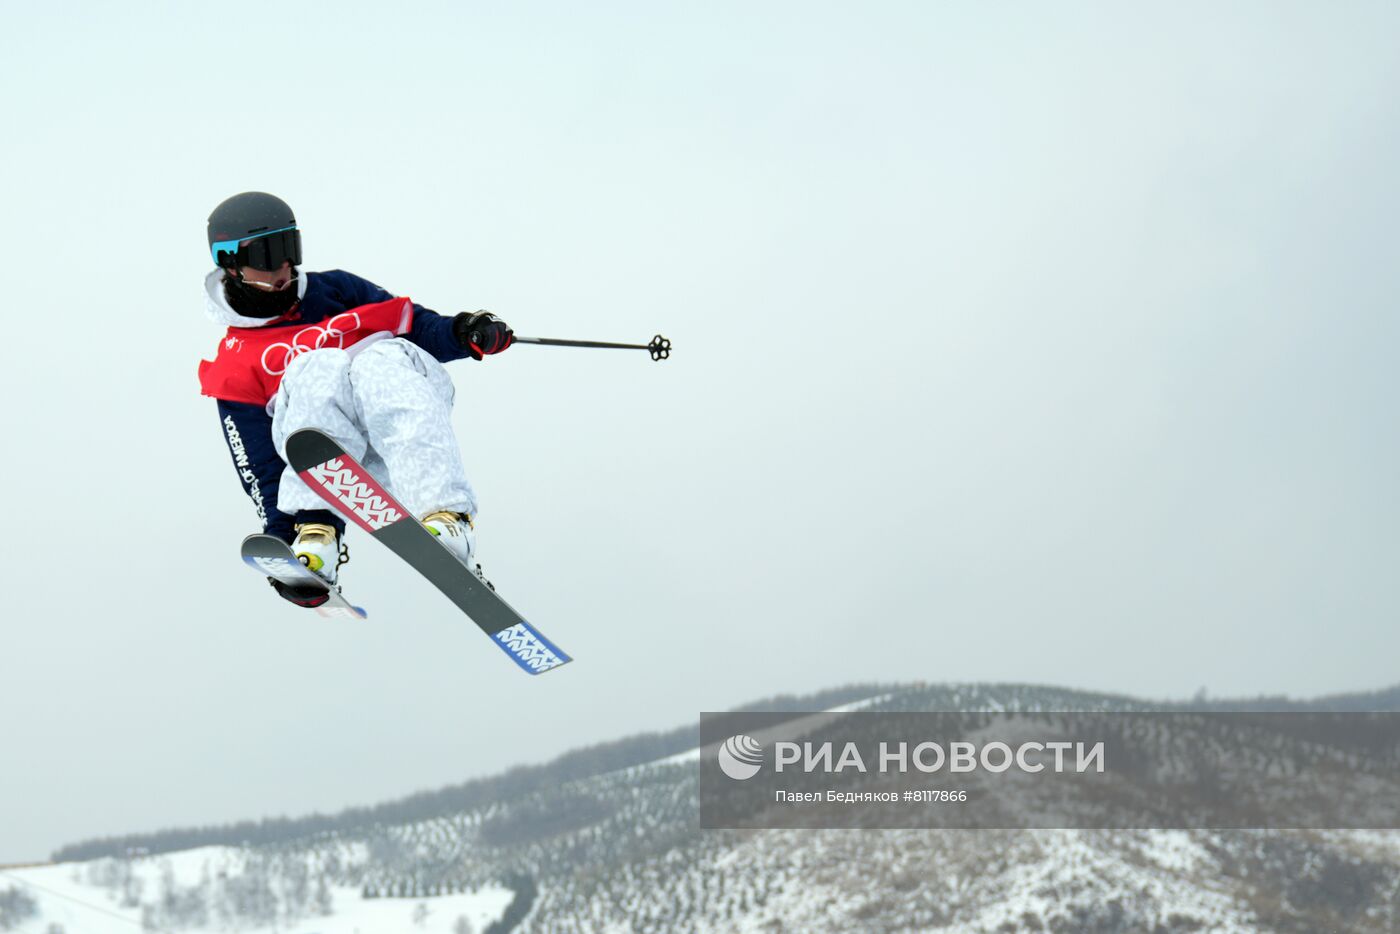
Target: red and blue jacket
[336, 309]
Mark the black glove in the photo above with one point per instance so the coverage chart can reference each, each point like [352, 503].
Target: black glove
[301, 596]
[480, 333]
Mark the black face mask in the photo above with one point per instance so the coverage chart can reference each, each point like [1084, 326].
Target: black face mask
[259, 303]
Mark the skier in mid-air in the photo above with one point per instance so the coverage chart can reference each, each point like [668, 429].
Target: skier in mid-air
[335, 352]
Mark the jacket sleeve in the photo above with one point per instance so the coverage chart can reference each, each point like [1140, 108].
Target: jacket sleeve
[248, 433]
[431, 331]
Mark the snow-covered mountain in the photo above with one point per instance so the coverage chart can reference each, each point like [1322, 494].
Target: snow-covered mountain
[607, 840]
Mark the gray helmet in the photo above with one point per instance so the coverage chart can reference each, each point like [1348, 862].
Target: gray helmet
[254, 229]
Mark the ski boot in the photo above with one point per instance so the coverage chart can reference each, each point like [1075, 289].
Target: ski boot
[318, 547]
[455, 530]
[458, 533]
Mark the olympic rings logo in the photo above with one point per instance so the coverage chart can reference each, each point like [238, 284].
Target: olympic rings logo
[277, 357]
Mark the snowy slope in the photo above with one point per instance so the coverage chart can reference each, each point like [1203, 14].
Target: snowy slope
[121, 895]
[620, 850]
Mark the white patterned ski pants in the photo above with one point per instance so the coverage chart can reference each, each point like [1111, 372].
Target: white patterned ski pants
[389, 405]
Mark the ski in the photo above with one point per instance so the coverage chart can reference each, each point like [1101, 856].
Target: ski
[272, 557]
[345, 484]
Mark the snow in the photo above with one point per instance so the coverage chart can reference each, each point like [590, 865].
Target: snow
[72, 895]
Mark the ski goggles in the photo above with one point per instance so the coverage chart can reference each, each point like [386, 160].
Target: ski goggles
[266, 252]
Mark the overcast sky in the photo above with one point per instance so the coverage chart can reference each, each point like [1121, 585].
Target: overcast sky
[1019, 342]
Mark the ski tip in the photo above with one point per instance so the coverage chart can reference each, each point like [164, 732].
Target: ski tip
[530, 649]
[307, 447]
[260, 543]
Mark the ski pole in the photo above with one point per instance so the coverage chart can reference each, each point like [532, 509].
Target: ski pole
[660, 347]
